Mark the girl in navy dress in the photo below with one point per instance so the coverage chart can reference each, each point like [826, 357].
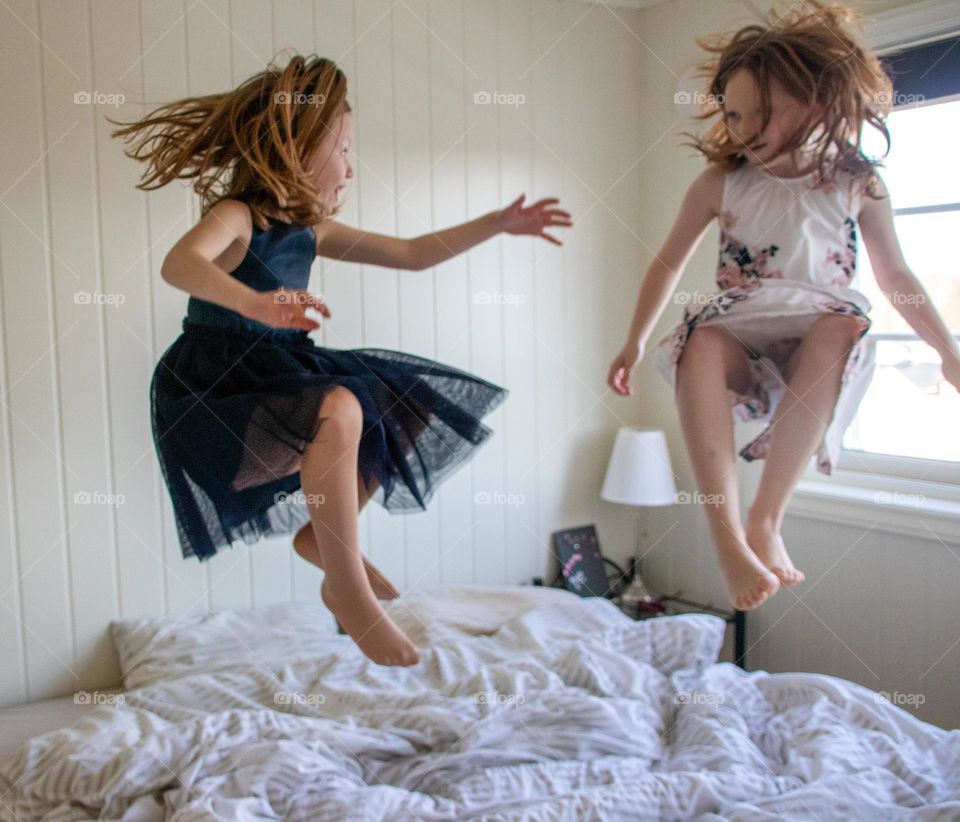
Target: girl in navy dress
[258, 430]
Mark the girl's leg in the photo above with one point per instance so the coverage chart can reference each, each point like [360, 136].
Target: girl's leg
[306, 546]
[813, 377]
[711, 362]
[329, 470]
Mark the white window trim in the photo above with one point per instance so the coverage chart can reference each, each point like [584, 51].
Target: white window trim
[912, 25]
[914, 508]
[885, 500]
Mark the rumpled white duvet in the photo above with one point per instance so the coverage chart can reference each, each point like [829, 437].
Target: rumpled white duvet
[528, 704]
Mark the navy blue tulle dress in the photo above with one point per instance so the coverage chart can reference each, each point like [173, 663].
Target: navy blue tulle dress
[234, 404]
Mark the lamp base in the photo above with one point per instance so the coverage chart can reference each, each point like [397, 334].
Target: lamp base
[638, 600]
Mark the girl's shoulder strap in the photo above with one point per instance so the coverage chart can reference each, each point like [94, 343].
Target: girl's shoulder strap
[271, 220]
[732, 184]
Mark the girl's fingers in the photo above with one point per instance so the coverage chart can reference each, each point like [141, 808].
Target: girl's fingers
[551, 239]
[315, 301]
[307, 324]
[612, 375]
[619, 379]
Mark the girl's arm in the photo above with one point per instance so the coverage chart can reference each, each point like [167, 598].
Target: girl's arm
[190, 265]
[342, 242]
[700, 205]
[901, 286]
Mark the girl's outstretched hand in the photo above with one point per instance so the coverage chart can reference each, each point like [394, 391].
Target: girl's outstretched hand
[619, 377]
[284, 308]
[951, 371]
[534, 219]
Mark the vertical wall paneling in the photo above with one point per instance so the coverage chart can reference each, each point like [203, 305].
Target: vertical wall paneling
[486, 280]
[518, 299]
[34, 520]
[452, 302]
[544, 117]
[413, 146]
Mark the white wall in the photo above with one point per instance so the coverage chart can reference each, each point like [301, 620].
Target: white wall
[877, 607]
[74, 378]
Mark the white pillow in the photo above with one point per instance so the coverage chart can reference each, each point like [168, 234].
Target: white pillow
[164, 647]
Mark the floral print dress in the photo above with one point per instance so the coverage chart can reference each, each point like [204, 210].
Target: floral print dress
[787, 256]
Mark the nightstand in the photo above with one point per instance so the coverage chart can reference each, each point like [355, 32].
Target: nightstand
[673, 605]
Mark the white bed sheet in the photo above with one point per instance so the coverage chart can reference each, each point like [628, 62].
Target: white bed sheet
[550, 707]
[21, 722]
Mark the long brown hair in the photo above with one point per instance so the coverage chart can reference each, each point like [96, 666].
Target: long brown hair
[815, 57]
[250, 143]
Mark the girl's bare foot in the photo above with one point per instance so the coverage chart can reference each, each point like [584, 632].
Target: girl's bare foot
[748, 581]
[357, 610]
[306, 546]
[764, 539]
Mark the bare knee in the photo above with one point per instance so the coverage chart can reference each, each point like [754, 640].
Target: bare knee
[341, 409]
[716, 349]
[836, 331]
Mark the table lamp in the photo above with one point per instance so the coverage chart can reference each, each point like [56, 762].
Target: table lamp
[640, 474]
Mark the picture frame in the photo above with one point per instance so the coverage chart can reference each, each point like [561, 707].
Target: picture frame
[581, 563]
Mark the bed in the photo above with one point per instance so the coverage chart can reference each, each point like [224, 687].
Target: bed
[529, 703]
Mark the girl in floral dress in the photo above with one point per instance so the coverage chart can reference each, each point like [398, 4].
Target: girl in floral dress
[782, 340]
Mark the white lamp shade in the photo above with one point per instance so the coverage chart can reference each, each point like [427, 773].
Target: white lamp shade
[639, 472]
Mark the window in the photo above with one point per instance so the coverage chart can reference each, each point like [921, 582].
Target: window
[909, 414]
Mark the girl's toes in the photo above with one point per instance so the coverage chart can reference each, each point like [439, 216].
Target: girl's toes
[789, 576]
[766, 586]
